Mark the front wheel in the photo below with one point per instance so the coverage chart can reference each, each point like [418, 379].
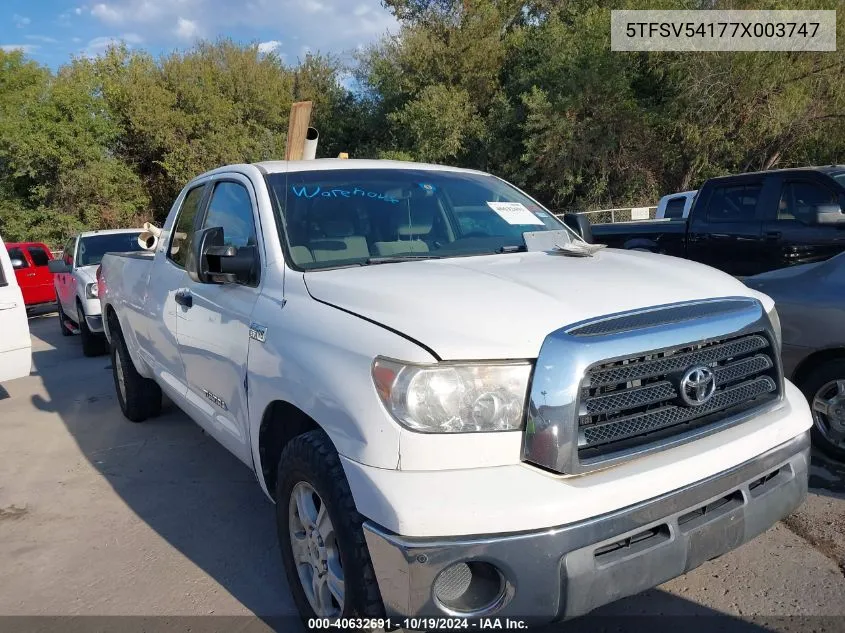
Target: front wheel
[66, 331]
[824, 388]
[92, 344]
[325, 556]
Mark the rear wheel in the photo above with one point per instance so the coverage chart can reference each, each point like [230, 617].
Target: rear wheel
[824, 388]
[66, 331]
[92, 344]
[326, 559]
[139, 397]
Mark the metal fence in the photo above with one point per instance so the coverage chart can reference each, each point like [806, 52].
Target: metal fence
[624, 214]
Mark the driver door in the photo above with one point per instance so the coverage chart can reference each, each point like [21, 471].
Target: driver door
[213, 328]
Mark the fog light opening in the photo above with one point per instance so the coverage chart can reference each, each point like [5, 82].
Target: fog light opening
[470, 588]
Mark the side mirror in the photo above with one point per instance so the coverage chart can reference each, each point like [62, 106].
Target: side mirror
[579, 223]
[58, 266]
[829, 214]
[215, 263]
[17, 263]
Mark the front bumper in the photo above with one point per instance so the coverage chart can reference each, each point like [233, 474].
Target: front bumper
[95, 323]
[558, 573]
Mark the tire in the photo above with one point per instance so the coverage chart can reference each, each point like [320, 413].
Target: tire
[310, 461]
[62, 319]
[92, 344]
[139, 398]
[827, 382]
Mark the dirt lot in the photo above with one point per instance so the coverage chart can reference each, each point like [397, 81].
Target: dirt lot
[99, 516]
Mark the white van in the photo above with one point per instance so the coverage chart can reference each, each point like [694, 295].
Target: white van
[15, 344]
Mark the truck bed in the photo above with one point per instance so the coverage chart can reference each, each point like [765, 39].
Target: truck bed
[669, 235]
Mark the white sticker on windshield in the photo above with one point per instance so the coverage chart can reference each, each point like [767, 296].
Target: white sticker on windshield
[514, 213]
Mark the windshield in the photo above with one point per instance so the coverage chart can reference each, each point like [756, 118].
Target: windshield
[92, 248]
[840, 178]
[358, 216]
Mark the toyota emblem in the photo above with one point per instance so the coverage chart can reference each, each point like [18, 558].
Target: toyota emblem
[697, 386]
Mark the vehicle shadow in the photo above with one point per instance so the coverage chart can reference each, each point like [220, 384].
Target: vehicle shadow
[207, 505]
[827, 476]
[181, 482]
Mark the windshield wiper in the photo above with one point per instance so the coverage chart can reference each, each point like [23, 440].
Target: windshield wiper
[390, 259]
[513, 248]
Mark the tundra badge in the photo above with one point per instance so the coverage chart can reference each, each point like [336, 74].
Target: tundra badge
[215, 399]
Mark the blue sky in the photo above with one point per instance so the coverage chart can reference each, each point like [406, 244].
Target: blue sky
[51, 31]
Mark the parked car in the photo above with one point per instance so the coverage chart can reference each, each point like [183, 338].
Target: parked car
[30, 261]
[749, 224]
[15, 343]
[675, 205]
[811, 302]
[75, 283]
[451, 422]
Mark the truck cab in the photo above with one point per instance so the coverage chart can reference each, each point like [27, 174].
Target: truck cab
[749, 223]
[31, 263]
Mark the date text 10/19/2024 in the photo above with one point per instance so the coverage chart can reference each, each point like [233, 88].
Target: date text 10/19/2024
[417, 624]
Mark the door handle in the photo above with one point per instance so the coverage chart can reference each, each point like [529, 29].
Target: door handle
[30, 274]
[8, 306]
[773, 235]
[184, 298]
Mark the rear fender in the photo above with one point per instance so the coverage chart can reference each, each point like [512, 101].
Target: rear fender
[641, 243]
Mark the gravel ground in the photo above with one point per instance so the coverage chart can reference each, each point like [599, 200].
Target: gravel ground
[101, 517]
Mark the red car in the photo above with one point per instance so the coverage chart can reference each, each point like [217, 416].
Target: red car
[29, 260]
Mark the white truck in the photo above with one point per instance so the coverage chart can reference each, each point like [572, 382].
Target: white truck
[76, 285]
[15, 342]
[454, 422]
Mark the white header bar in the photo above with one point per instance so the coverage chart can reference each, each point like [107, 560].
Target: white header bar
[723, 30]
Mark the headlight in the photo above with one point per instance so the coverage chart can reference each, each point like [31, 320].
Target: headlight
[775, 320]
[91, 291]
[453, 398]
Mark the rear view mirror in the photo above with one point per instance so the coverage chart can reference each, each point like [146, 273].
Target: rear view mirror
[18, 263]
[58, 266]
[215, 263]
[829, 214]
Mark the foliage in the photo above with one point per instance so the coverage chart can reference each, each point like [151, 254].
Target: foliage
[527, 89]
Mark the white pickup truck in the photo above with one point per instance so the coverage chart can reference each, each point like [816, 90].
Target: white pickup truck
[454, 423]
[76, 284]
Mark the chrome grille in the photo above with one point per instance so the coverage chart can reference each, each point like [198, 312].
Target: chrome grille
[636, 400]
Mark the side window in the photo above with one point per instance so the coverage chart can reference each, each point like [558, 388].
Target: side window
[39, 256]
[183, 232]
[734, 203]
[798, 201]
[675, 208]
[231, 208]
[67, 256]
[18, 259]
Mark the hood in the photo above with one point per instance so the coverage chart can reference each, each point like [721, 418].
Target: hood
[789, 272]
[503, 306]
[87, 274]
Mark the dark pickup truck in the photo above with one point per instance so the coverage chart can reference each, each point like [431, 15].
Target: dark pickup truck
[749, 223]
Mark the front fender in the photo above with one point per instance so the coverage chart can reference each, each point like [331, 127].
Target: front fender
[319, 359]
